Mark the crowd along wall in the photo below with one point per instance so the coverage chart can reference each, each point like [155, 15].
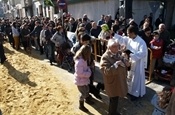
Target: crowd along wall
[94, 9]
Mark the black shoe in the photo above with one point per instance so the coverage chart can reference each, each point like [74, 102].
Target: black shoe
[47, 57]
[96, 92]
[81, 107]
[118, 113]
[133, 98]
[90, 96]
[3, 60]
[100, 86]
[0, 112]
[84, 109]
[98, 96]
[89, 100]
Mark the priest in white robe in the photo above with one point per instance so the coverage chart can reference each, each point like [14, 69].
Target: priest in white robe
[138, 58]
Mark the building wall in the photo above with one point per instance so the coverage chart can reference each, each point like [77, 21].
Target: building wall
[35, 7]
[141, 8]
[39, 8]
[1, 10]
[94, 9]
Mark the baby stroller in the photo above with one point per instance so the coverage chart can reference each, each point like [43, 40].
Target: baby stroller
[66, 57]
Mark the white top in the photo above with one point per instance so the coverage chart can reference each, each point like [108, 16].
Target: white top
[42, 36]
[15, 31]
[58, 39]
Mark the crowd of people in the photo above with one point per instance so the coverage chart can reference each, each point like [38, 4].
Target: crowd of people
[123, 72]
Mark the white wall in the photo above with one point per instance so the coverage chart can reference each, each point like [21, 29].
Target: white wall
[94, 9]
[141, 8]
[35, 6]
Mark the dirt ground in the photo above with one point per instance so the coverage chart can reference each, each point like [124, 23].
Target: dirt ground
[30, 86]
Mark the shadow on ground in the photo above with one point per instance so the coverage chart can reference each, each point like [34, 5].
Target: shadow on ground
[19, 76]
[8, 51]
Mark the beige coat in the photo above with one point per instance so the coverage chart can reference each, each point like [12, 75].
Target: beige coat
[114, 78]
[171, 105]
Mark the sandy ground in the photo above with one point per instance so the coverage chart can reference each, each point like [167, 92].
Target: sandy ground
[30, 86]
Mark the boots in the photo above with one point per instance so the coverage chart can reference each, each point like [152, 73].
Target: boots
[81, 106]
[94, 91]
[89, 100]
[0, 112]
[100, 86]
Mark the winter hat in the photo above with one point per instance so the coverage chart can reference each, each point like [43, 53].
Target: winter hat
[104, 27]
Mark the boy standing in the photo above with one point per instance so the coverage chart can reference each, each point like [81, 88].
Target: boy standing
[156, 46]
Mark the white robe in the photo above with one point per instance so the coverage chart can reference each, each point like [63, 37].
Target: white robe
[139, 49]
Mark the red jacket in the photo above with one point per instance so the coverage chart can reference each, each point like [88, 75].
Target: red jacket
[157, 53]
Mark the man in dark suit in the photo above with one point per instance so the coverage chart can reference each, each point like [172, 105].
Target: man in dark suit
[36, 34]
[158, 21]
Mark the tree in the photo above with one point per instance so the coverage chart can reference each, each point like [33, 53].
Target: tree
[48, 3]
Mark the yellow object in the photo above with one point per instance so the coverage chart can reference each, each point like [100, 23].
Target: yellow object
[104, 27]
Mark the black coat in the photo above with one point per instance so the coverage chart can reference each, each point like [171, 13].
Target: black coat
[49, 34]
[36, 31]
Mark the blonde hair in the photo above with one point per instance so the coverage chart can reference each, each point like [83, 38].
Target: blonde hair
[145, 25]
[164, 97]
[58, 28]
[83, 52]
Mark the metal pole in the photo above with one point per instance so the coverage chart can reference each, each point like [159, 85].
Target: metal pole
[61, 16]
